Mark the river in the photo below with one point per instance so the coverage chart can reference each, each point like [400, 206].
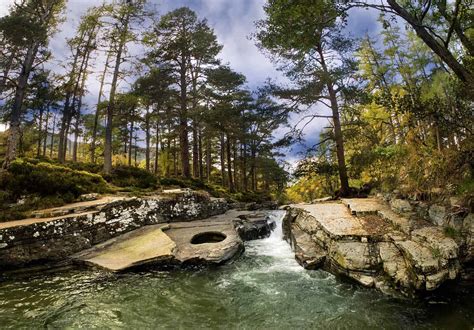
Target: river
[265, 288]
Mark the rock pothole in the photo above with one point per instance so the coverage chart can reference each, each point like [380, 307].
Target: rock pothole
[208, 237]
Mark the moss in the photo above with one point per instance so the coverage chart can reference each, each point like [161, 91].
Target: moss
[436, 252]
[128, 176]
[451, 232]
[44, 179]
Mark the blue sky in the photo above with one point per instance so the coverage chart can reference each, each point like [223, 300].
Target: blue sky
[233, 23]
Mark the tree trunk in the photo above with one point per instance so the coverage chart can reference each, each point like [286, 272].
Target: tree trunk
[97, 111]
[195, 151]
[130, 144]
[156, 147]
[244, 167]
[76, 138]
[183, 120]
[208, 159]
[236, 163]
[113, 89]
[40, 135]
[201, 168]
[17, 108]
[443, 52]
[52, 137]
[229, 165]
[147, 139]
[45, 135]
[136, 151]
[341, 162]
[222, 157]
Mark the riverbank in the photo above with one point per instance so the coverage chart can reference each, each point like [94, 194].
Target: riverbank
[264, 288]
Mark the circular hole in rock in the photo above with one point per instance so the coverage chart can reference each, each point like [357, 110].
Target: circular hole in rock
[208, 237]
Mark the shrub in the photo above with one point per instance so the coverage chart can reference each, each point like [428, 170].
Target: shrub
[127, 176]
[249, 196]
[213, 190]
[44, 179]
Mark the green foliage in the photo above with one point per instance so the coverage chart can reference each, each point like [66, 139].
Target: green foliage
[44, 179]
[129, 176]
[213, 190]
[253, 196]
[451, 232]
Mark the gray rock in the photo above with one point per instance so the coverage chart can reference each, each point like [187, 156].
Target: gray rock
[406, 255]
[35, 240]
[401, 205]
[438, 215]
[251, 227]
[89, 197]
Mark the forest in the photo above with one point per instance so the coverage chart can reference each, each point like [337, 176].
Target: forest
[399, 107]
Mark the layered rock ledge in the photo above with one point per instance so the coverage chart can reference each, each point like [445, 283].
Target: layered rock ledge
[364, 239]
[60, 232]
[176, 228]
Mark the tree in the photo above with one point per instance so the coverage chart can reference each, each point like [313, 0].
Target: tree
[28, 28]
[154, 91]
[225, 91]
[307, 37]
[437, 23]
[186, 44]
[125, 15]
[81, 47]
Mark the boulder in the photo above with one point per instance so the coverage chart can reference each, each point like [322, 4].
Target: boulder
[253, 226]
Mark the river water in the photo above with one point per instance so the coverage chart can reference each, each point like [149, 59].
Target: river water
[265, 288]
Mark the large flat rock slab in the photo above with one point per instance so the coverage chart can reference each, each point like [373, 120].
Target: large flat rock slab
[335, 218]
[209, 241]
[222, 245]
[143, 246]
[361, 206]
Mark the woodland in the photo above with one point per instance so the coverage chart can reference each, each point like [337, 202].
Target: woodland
[398, 106]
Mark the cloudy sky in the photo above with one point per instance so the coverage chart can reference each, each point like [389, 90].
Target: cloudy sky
[233, 23]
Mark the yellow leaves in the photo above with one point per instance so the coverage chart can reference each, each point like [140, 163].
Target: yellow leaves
[374, 113]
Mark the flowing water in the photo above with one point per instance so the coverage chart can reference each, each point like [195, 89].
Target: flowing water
[265, 288]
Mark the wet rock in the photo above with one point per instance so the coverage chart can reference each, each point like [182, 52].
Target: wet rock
[253, 226]
[180, 244]
[307, 254]
[147, 245]
[205, 242]
[353, 255]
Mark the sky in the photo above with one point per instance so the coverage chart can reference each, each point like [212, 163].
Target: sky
[233, 23]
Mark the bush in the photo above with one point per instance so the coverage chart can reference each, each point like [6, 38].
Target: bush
[213, 190]
[44, 179]
[127, 176]
[249, 196]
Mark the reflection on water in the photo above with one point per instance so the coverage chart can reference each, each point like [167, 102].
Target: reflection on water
[265, 288]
